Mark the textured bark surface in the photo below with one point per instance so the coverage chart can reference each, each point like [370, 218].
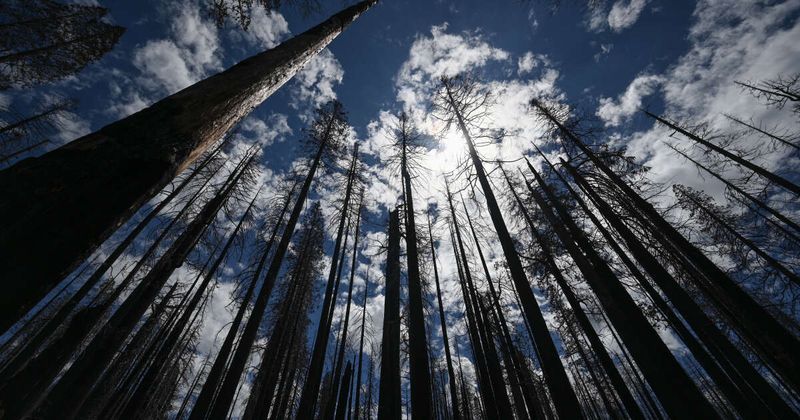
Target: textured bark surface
[58, 207]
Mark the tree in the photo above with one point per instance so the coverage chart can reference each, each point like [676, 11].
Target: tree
[456, 413]
[389, 399]
[327, 133]
[20, 134]
[407, 141]
[43, 40]
[460, 100]
[776, 92]
[241, 10]
[309, 396]
[99, 180]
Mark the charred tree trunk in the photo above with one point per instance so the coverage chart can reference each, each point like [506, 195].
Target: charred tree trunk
[581, 317]
[421, 404]
[308, 398]
[676, 391]
[445, 340]
[99, 180]
[389, 396]
[357, 399]
[555, 376]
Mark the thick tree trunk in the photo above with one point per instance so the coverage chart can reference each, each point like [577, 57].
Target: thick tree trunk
[555, 376]
[389, 398]
[67, 396]
[60, 206]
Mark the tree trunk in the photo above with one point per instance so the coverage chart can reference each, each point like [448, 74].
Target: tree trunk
[421, 405]
[389, 398]
[60, 206]
[357, 399]
[555, 376]
[209, 405]
[308, 398]
[595, 342]
[445, 340]
[676, 391]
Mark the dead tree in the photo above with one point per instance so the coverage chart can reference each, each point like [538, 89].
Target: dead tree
[327, 133]
[389, 399]
[461, 100]
[43, 41]
[99, 180]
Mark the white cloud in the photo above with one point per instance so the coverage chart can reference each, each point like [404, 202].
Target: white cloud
[267, 28]
[526, 63]
[729, 40]
[614, 112]
[624, 13]
[314, 84]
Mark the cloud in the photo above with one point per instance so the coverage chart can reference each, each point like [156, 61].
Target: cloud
[314, 84]
[267, 28]
[614, 112]
[624, 13]
[527, 63]
[729, 40]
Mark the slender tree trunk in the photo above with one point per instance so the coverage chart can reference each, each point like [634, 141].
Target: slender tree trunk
[555, 376]
[776, 345]
[445, 340]
[308, 398]
[766, 174]
[209, 405]
[344, 389]
[421, 404]
[676, 391]
[357, 400]
[725, 352]
[345, 326]
[465, 277]
[389, 398]
[99, 180]
[595, 342]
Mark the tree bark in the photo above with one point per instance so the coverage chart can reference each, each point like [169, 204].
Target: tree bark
[389, 398]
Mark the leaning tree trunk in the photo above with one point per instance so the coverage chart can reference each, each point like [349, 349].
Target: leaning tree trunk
[68, 395]
[60, 206]
[599, 349]
[555, 376]
[677, 392]
[389, 398]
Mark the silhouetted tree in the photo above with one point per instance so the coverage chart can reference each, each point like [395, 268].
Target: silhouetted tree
[389, 400]
[44, 40]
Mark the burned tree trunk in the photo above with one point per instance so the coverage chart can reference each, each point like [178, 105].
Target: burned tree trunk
[389, 396]
[99, 180]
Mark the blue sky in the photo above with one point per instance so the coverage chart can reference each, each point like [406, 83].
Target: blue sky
[675, 56]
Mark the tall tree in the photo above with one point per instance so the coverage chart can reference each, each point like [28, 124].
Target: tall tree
[772, 341]
[99, 180]
[327, 133]
[76, 384]
[407, 141]
[44, 40]
[455, 411]
[357, 398]
[309, 396]
[389, 399]
[461, 101]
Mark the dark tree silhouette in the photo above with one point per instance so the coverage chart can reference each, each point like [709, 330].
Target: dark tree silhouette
[99, 180]
[389, 400]
[44, 40]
